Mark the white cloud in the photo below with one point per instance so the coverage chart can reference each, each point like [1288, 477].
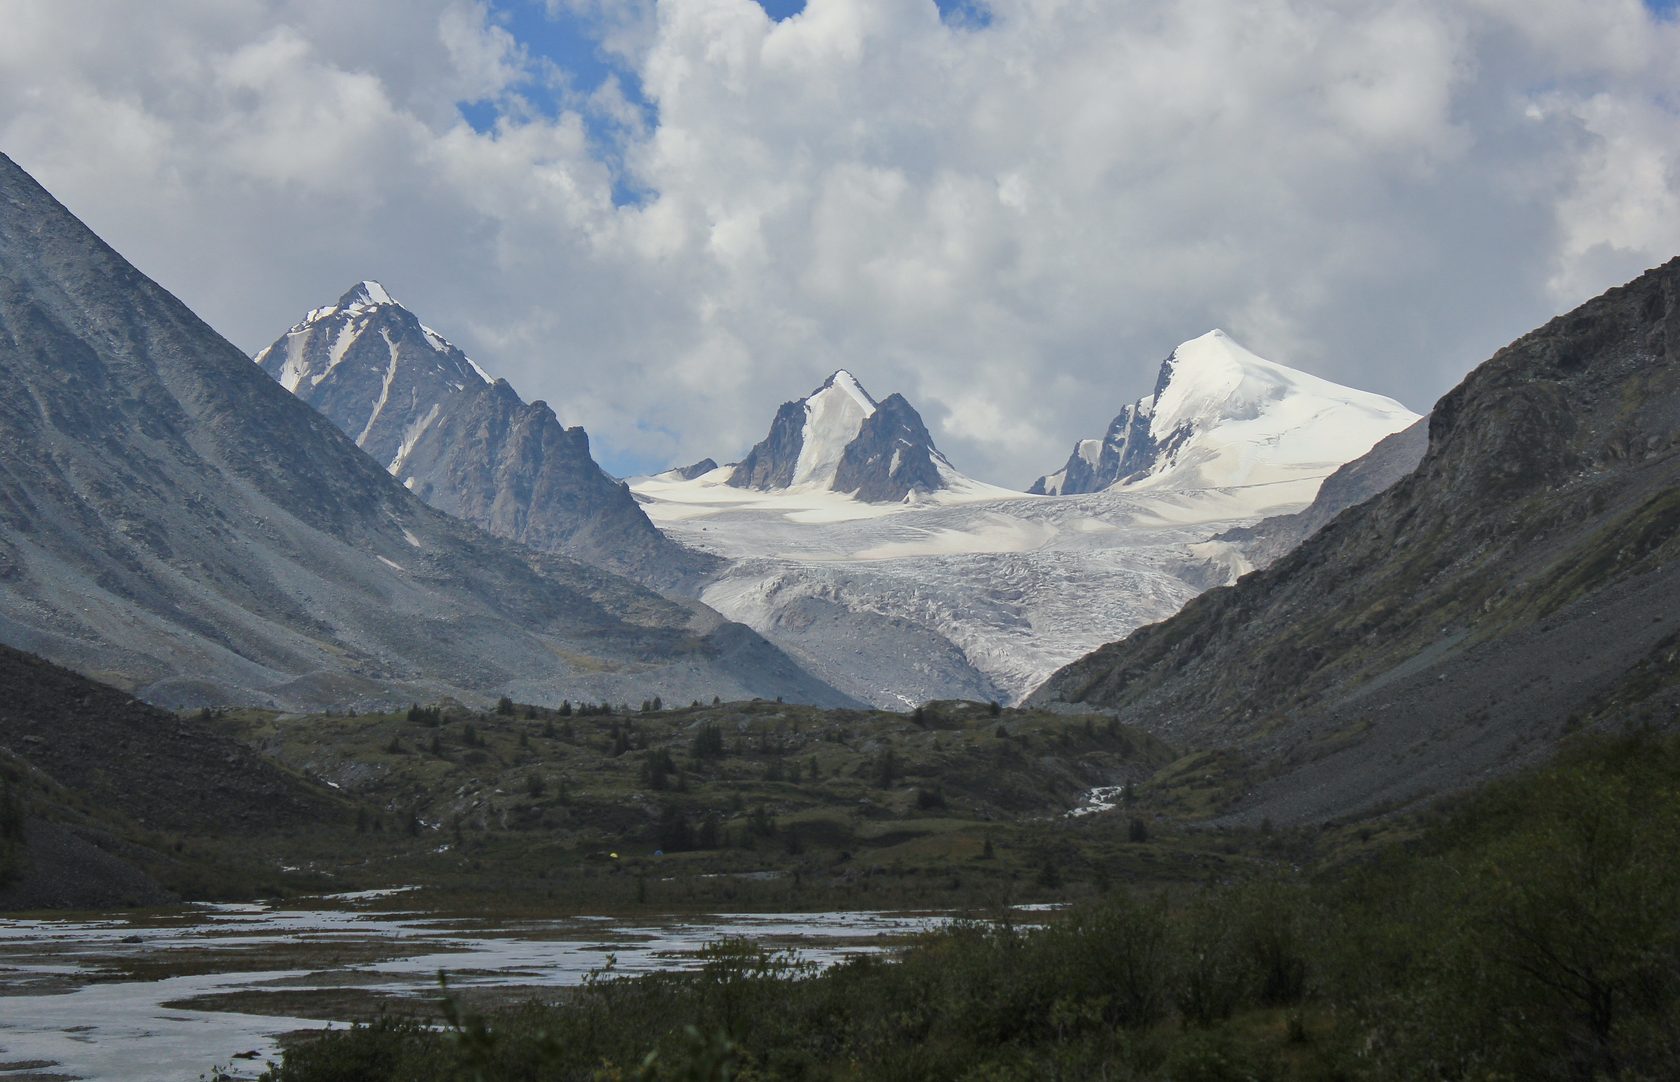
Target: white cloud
[486, 58]
[627, 28]
[1011, 224]
[1623, 200]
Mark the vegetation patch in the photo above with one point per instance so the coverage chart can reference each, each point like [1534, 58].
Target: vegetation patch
[1531, 932]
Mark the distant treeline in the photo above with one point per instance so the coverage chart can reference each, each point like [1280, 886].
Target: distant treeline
[506, 707]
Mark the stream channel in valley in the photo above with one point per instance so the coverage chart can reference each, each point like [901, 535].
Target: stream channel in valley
[167, 996]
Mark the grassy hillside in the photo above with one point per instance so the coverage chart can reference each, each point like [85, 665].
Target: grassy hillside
[107, 801]
[738, 803]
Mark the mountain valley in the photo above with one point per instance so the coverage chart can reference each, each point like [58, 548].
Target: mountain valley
[845, 536]
[845, 559]
[1285, 626]
[672, 541]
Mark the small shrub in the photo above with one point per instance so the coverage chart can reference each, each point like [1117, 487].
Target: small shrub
[708, 743]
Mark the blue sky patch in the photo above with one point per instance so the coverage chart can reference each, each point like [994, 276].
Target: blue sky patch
[479, 115]
[972, 14]
[969, 14]
[570, 65]
[563, 38]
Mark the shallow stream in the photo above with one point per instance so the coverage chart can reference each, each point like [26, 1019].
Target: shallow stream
[162, 997]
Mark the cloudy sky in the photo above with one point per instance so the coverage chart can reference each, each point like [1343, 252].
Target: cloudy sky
[667, 216]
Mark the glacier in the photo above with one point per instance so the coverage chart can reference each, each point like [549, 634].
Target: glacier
[976, 591]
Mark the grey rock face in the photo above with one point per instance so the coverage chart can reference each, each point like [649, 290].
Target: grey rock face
[770, 464]
[466, 444]
[1522, 580]
[177, 524]
[892, 456]
[689, 473]
[370, 366]
[1126, 450]
[1378, 470]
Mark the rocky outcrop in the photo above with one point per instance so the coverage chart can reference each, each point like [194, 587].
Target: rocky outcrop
[838, 438]
[770, 464]
[1125, 451]
[372, 368]
[892, 456]
[1522, 581]
[690, 472]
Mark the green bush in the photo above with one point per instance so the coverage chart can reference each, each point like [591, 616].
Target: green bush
[1213, 976]
[12, 814]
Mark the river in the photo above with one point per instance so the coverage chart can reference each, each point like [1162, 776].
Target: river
[163, 996]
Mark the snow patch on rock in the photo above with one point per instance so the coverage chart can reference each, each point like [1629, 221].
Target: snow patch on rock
[833, 417]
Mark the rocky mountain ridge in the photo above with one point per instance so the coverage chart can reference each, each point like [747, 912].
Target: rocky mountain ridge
[1373, 473]
[465, 442]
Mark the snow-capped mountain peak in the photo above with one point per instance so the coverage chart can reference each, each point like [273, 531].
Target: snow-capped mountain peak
[1215, 378]
[370, 365]
[465, 443]
[898, 573]
[847, 384]
[839, 438]
[359, 298]
[366, 294]
[1222, 416]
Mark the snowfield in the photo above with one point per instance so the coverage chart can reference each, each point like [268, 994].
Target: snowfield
[988, 590]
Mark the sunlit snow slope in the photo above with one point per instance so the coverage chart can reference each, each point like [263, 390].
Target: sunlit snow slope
[976, 591]
[1222, 416]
